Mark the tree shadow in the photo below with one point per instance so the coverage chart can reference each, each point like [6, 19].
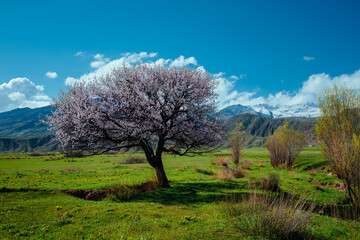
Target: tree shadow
[191, 193]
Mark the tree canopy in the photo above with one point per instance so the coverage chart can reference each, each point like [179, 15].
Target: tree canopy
[154, 108]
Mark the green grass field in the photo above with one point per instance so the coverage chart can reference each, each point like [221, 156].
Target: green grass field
[33, 206]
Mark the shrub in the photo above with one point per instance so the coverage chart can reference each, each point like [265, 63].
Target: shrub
[236, 142]
[225, 173]
[222, 161]
[246, 164]
[284, 145]
[133, 160]
[271, 183]
[338, 131]
[239, 172]
[271, 217]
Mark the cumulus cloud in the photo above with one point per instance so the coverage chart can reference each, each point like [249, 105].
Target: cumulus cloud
[103, 66]
[51, 75]
[306, 95]
[21, 92]
[182, 61]
[69, 81]
[100, 60]
[308, 59]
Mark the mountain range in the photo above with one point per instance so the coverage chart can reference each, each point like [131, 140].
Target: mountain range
[271, 111]
[21, 129]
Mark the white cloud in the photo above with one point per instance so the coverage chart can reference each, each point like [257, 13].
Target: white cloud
[105, 66]
[100, 60]
[70, 81]
[306, 95]
[234, 77]
[51, 74]
[16, 96]
[79, 54]
[307, 58]
[182, 61]
[21, 92]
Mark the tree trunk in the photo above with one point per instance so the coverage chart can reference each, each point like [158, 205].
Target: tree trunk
[161, 176]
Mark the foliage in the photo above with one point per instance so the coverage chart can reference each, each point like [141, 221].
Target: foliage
[153, 108]
[236, 142]
[285, 145]
[338, 131]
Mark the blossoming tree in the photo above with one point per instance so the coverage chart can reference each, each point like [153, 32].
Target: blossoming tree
[153, 108]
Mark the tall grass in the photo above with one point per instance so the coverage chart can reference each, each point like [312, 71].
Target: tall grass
[271, 217]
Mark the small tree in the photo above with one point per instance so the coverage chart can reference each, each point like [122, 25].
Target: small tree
[285, 145]
[236, 142]
[152, 108]
[338, 131]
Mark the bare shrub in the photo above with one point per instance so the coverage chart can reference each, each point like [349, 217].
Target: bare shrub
[225, 173]
[133, 160]
[236, 141]
[246, 164]
[271, 217]
[239, 172]
[222, 161]
[285, 145]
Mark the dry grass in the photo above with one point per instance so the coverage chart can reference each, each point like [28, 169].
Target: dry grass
[227, 173]
[246, 163]
[271, 217]
[221, 161]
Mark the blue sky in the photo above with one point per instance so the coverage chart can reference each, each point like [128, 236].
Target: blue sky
[261, 51]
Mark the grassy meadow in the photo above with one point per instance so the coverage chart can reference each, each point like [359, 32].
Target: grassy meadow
[35, 199]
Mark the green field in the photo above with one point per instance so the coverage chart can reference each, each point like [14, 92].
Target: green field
[33, 203]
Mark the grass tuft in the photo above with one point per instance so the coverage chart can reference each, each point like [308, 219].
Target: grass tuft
[271, 217]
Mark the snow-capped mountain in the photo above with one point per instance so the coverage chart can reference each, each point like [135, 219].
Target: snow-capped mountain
[298, 110]
[234, 110]
[276, 111]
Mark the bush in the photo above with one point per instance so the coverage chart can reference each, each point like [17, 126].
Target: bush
[284, 146]
[239, 172]
[271, 217]
[246, 164]
[133, 160]
[225, 173]
[271, 183]
[338, 131]
[222, 161]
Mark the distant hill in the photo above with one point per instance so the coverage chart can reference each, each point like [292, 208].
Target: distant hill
[260, 127]
[24, 122]
[28, 144]
[21, 130]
